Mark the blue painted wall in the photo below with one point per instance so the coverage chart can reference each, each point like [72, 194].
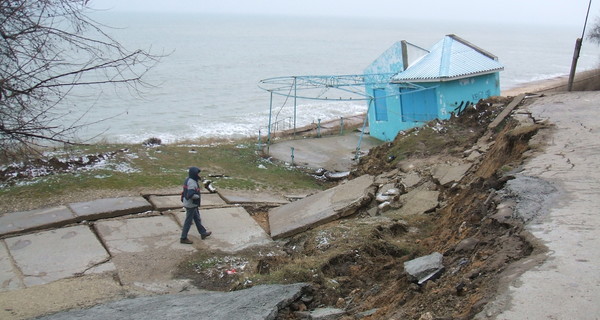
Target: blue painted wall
[446, 97]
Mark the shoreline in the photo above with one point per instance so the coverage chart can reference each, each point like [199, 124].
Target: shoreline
[555, 84]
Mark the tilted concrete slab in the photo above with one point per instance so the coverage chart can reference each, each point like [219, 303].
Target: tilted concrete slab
[47, 256]
[20, 222]
[212, 200]
[108, 208]
[164, 203]
[140, 234]
[417, 201]
[321, 208]
[250, 197]
[233, 229]
[9, 277]
[447, 174]
[257, 303]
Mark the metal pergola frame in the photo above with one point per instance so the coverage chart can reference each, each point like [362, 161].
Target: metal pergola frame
[316, 87]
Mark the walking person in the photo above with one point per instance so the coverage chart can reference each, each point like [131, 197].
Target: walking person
[191, 201]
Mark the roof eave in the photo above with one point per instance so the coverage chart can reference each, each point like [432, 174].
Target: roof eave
[446, 79]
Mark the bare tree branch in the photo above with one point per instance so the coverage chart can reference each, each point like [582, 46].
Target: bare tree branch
[47, 48]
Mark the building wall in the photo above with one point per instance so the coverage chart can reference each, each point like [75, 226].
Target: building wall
[449, 96]
[458, 93]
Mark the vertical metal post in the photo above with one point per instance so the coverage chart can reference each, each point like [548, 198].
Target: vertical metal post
[318, 128]
[259, 144]
[341, 126]
[292, 156]
[574, 64]
[577, 50]
[295, 95]
[270, 116]
[362, 132]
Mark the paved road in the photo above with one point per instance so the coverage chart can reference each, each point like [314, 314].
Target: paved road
[567, 284]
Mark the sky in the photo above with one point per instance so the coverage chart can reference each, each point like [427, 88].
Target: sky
[538, 12]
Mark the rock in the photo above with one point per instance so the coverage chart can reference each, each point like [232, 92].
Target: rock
[423, 268]
[410, 180]
[447, 174]
[367, 313]
[383, 207]
[427, 316]
[466, 245]
[373, 211]
[474, 156]
[382, 198]
[327, 314]
[417, 202]
[341, 303]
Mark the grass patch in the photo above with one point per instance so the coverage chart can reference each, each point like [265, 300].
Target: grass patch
[134, 168]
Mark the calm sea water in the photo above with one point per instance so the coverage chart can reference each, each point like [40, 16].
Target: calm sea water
[207, 87]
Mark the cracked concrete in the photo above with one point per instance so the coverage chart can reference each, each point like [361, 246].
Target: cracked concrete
[565, 285]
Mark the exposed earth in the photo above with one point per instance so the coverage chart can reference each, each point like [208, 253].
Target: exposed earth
[356, 263]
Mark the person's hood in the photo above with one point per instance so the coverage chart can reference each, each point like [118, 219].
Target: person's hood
[193, 173]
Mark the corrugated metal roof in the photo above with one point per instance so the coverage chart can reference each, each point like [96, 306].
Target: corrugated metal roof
[449, 59]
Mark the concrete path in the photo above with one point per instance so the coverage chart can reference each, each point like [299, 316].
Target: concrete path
[333, 153]
[136, 240]
[566, 285]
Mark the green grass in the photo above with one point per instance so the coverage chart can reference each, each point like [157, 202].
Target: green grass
[135, 167]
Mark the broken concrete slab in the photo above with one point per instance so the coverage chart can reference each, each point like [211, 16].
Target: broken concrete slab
[9, 278]
[417, 201]
[212, 200]
[251, 197]
[257, 303]
[421, 268]
[447, 174]
[320, 208]
[47, 256]
[109, 208]
[164, 203]
[20, 222]
[233, 229]
[410, 179]
[140, 234]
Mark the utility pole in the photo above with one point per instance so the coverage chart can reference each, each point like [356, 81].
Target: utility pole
[576, 52]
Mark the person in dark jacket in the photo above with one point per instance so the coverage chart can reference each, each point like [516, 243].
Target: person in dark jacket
[191, 201]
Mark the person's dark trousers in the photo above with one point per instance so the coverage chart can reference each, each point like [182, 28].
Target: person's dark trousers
[192, 214]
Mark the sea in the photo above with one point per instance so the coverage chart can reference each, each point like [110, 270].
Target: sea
[205, 87]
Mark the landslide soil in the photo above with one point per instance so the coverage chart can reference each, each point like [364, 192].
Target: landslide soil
[357, 263]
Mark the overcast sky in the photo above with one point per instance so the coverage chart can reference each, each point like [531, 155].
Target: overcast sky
[540, 12]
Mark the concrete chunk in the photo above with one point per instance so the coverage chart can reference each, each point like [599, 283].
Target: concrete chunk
[420, 268]
[320, 208]
[20, 222]
[233, 229]
[416, 202]
[447, 174]
[108, 208]
[52, 255]
[9, 280]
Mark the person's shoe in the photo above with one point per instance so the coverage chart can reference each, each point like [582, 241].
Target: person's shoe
[186, 241]
[206, 235]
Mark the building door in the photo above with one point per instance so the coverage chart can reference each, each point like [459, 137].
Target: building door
[418, 105]
[381, 113]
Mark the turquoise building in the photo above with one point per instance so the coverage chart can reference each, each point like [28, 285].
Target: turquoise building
[424, 84]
